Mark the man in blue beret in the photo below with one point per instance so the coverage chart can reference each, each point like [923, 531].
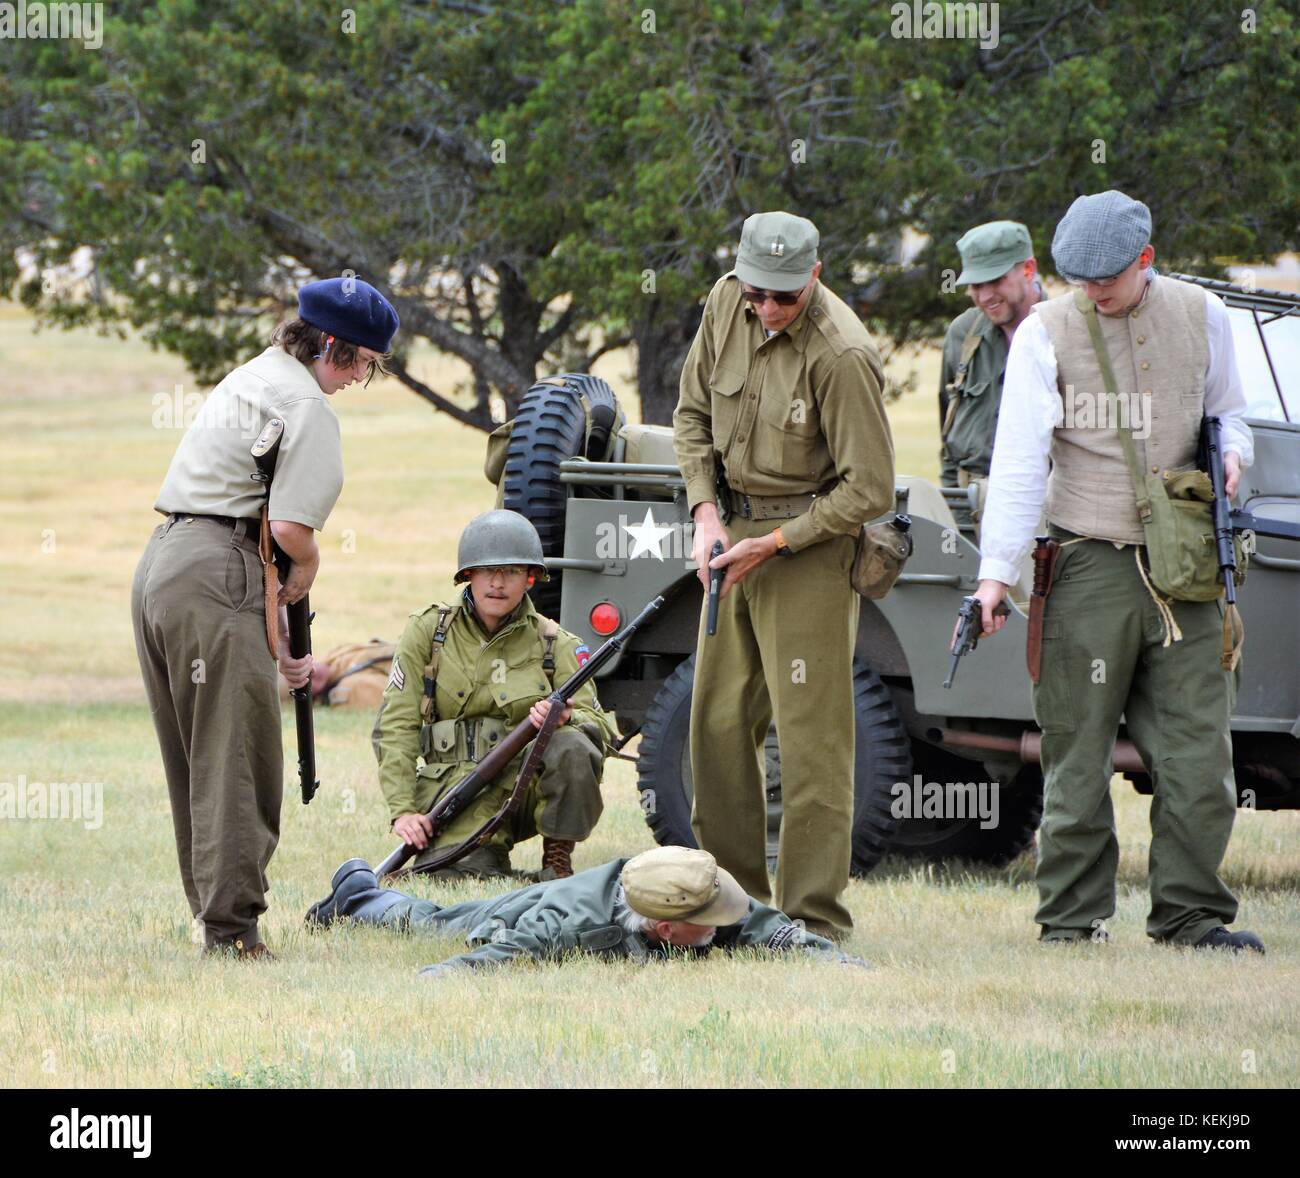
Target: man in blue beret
[1106, 385]
[1001, 273]
[198, 602]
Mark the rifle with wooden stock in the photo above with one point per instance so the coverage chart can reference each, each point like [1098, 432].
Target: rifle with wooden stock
[452, 803]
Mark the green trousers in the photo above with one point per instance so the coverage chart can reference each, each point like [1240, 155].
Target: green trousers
[1104, 655]
[563, 801]
[200, 634]
[783, 650]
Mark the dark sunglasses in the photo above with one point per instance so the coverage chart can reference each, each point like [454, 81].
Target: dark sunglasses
[782, 298]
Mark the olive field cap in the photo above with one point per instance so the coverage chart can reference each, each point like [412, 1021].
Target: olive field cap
[777, 251]
[1100, 236]
[679, 883]
[988, 251]
[498, 538]
[350, 309]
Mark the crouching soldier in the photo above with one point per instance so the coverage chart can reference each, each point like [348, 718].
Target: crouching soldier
[464, 675]
[665, 900]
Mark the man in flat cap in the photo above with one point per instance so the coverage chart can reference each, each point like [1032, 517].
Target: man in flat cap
[781, 396]
[1112, 644]
[667, 900]
[999, 268]
[198, 603]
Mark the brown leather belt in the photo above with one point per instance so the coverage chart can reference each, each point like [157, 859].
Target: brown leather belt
[768, 506]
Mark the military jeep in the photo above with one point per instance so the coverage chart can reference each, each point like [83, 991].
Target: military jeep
[608, 500]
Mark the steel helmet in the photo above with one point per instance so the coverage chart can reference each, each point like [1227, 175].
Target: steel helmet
[499, 538]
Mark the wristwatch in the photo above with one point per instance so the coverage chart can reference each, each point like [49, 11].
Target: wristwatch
[781, 548]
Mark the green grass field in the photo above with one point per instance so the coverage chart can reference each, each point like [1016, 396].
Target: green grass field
[102, 983]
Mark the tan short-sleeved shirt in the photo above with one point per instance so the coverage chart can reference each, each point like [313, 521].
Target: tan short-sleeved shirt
[798, 412]
[211, 471]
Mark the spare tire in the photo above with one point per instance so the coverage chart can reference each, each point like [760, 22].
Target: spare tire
[550, 428]
[882, 756]
[603, 410]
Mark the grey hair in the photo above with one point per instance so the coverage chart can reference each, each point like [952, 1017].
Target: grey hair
[629, 917]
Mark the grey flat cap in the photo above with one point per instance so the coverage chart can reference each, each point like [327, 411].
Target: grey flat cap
[1100, 235]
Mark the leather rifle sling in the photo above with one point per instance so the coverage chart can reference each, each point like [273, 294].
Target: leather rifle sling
[271, 584]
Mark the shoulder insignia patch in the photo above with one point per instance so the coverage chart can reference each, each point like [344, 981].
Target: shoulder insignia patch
[784, 937]
[582, 652]
[397, 678]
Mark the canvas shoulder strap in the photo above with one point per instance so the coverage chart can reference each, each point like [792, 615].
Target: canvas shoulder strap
[969, 346]
[446, 615]
[549, 629]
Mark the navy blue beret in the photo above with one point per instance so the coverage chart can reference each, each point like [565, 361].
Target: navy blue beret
[350, 309]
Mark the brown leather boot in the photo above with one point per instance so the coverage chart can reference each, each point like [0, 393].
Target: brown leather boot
[555, 859]
[240, 952]
[258, 952]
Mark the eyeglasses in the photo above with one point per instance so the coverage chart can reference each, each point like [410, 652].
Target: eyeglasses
[1102, 282]
[782, 298]
[506, 572]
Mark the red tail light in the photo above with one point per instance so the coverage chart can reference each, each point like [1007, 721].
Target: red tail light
[605, 619]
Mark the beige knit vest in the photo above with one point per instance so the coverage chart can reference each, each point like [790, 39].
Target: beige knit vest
[1159, 352]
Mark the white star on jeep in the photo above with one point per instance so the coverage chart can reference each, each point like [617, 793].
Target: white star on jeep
[647, 536]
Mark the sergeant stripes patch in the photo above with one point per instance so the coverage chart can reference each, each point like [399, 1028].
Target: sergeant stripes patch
[398, 677]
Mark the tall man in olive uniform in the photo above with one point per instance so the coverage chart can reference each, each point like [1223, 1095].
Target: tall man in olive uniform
[1112, 644]
[467, 673]
[198, 604]
[663, 902]
[999, 267]
[782, 391]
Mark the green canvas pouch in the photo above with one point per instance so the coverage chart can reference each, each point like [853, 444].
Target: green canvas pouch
[1174, 506]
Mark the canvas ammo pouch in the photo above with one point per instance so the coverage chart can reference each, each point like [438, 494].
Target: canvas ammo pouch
[461, 740]
[878, 557]
[1174, 506]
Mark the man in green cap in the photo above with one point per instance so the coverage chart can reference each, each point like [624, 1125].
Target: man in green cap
[664, 901]
[781, 396]
[1103, 384]
[464, 675]
[999, 268]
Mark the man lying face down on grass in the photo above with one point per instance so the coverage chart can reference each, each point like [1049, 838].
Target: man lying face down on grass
[665, 901]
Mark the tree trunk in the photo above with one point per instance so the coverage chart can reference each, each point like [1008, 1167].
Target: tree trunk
[661, 350]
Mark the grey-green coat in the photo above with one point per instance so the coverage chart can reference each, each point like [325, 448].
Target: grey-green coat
[969, 444]
[576, 914]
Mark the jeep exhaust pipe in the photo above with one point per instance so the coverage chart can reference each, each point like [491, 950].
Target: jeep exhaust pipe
[1028, 746]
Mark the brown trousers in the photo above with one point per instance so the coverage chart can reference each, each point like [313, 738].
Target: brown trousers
[200, 633]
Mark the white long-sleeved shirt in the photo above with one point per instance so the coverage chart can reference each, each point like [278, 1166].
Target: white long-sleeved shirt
[1031, 408]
